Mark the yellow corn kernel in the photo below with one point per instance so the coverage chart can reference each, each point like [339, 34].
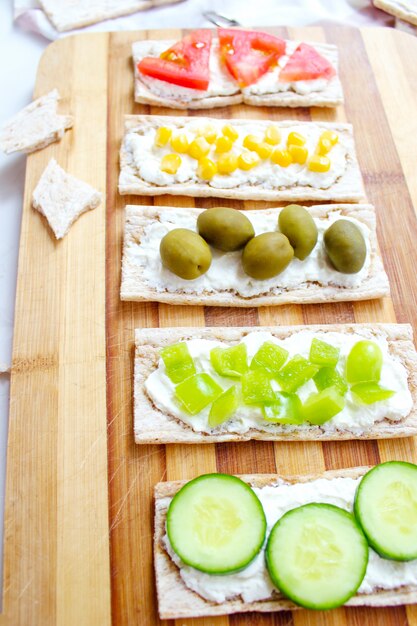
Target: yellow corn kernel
[227, 163]
[281, 157]
[323, 146]
[198, 148]
[163, 135]
[206, 168]
[179, 143]
[319, 163]
[299, 154]
[264, 150]
[208, 132]
[251, 142]
[295, 139]
[170, 163]
[223, 144]
[230, 132]
[331, 136]
[247, 160]
[272, 135]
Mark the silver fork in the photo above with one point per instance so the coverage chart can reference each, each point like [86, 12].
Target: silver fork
[219, 20]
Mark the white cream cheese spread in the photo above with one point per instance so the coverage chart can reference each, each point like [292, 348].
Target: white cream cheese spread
[253, 583]
[356, 418]
[146, 158]
[226, 271]
[221, 82]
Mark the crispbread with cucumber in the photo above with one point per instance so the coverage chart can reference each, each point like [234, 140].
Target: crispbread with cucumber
[333, 382]
[176, 256]
[322, 545]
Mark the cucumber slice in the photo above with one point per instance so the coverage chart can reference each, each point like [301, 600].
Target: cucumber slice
[216, 524]
[317, 555]
[386, 508]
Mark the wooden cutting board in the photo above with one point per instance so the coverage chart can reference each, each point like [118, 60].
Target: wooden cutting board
[78, 524]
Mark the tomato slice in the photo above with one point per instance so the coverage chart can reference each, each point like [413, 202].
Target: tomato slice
[185, 64]
[306, 64]
[248, 54]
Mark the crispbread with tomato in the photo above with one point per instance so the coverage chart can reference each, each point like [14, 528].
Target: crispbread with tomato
[202, 72]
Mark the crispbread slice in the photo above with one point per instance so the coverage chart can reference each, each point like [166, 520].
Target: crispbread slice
[175, 600]
[135, 287]
[347, 188]
[36, 126]
[153, 426]
[62, 198]
[331, 96]
[402, 9]
[69, 14]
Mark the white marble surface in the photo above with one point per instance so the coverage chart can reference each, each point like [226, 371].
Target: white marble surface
[20, 52]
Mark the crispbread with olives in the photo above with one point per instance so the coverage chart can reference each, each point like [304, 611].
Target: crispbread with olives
[135, 286]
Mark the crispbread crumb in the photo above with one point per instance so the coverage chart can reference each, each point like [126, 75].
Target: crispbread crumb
[62, 198]
[35, 126]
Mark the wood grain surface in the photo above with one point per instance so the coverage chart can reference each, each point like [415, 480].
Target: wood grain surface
[79, 509]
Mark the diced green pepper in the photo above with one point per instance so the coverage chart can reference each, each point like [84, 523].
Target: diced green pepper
[368, 393]
[230, 362]
[286, 409]
[364, 363]
[322, 353]
[270, 357]
[179, 364]
[256, 387]
[223, 407]
[330, 377]
[296, 373]
[322, 406]
[197, 392]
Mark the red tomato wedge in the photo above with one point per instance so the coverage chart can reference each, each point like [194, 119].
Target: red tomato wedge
[248, 54]
[185, 64]
[306, 64]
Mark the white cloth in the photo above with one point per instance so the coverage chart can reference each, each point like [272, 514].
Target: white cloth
[189, 14]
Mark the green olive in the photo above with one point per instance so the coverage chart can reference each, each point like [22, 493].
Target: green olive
[225, 229]
[267, 255]
[185, 253]
[296, 223]
[345, 246]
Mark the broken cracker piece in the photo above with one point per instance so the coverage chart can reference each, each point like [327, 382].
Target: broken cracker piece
[35, 126]
[62, 198]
